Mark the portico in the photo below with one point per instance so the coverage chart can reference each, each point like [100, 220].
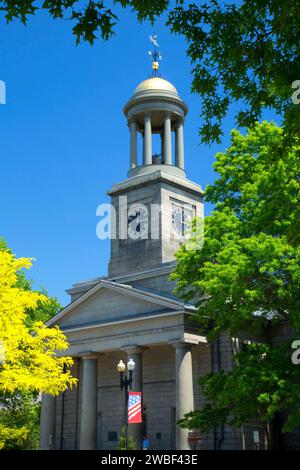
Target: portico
[160, 328]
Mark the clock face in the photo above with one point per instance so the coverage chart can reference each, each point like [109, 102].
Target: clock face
[181, 219]
[138, 222]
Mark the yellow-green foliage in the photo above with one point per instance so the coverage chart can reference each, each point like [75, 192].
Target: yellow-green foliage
[29, 359]
[8, 435]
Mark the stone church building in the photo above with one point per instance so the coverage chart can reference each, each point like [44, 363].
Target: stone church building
[133, 313]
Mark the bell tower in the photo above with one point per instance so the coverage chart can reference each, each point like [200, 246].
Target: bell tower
[156, 108]
[154, 205]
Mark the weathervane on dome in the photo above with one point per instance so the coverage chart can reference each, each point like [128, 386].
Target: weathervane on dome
[155, 55]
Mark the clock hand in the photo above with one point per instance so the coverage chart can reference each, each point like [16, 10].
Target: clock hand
[131, 218]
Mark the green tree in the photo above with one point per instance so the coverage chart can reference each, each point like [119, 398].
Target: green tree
[244, 52]
[19, 421]
[247, 276]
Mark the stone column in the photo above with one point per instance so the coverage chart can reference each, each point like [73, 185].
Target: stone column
[47, 422]
[147, 157]
[162, 144]
[167, 139]
[184, 390]
[136, 353]
[133, 144]
[88, 416]
[179, 146]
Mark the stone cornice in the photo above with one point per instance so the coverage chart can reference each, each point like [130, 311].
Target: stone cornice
[187, 340]
[154, 98]
[157, 175]
[118, 321]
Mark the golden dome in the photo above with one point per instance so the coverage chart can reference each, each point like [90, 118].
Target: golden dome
[155, 84]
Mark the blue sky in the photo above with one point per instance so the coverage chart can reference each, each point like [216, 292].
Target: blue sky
[64, 140]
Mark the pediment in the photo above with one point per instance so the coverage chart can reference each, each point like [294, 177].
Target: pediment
[109, 301]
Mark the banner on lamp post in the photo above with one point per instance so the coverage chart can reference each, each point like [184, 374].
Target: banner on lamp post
[135, 408]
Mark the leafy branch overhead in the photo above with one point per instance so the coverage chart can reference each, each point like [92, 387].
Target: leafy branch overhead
[245, 53]
[92, 19]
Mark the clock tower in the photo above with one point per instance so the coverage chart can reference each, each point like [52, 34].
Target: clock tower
[154, 205]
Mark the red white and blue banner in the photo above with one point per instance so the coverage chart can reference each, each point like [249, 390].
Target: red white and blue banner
[134, 407]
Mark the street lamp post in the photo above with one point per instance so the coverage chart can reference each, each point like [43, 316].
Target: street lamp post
[126, 383]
